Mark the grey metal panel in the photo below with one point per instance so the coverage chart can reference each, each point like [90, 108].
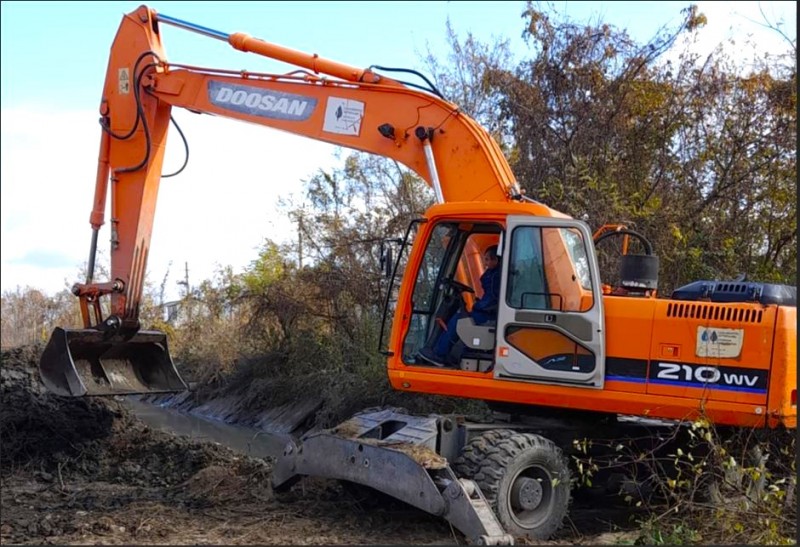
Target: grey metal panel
[380, 467]
[587, 327]
[469, 333]
[578, 325]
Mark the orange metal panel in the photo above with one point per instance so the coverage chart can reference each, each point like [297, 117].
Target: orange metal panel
[782, 406]
[625, 385]
[539, 343]
[449, 382]
[629, 329]
[736, 371]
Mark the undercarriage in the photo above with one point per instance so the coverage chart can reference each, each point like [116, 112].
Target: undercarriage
[496, 479]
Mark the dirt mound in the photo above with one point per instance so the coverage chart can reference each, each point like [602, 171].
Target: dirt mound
[87, 471]
[96, 438]
[88, 455]
[35, 425]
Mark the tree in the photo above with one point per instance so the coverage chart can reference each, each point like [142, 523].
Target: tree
[29, 315]
[693, 153]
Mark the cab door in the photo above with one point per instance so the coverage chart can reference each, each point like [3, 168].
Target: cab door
[550, 326]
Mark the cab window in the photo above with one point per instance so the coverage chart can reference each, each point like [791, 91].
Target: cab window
[549, 269]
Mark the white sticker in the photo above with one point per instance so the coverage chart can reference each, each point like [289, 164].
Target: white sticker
[714, 342]
[124, 81]
[343, 116]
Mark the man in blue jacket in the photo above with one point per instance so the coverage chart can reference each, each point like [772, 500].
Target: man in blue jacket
[484, 310]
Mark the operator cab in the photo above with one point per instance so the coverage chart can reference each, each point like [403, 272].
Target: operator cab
[448, 283]
[547, 324]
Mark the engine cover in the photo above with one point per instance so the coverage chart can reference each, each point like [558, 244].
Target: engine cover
[738, 291]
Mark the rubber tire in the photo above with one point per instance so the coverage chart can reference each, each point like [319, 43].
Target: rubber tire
[480, 447]
[503, 455]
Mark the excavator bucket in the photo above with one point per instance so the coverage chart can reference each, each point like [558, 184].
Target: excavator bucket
[78, 362]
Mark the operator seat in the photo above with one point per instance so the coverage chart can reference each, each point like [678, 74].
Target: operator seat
[475, 345]
[476, 337]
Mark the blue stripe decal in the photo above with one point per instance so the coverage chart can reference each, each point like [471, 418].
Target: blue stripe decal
[711, 386]
[626, 379]
[687, 384]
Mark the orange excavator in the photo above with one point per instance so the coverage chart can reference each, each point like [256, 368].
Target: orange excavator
[558, 338]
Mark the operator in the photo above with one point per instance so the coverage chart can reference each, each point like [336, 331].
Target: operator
[483, 311]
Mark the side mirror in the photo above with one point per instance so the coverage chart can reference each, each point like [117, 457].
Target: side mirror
[387, 255]
[388, 262]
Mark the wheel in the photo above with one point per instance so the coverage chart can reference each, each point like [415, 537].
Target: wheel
[524, 477]
[477, 450]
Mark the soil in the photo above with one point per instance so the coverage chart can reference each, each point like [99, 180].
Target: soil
[85, 471]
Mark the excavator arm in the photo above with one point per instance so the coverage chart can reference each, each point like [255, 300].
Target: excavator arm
[321, 99]
[366, 112]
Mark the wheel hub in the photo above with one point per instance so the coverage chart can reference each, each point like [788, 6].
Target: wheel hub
[526, 494]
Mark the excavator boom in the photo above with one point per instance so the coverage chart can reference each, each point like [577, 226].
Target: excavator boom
[324, 100]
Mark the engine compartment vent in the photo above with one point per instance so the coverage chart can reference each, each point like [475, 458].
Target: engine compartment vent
[712, 312]
[738, 291]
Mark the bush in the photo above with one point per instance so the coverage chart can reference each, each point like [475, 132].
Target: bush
[705, 485]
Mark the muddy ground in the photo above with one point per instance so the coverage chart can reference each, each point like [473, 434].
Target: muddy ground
[85, 471]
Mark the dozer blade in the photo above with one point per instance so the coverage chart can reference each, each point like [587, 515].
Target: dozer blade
[78, 362]
[393, 453]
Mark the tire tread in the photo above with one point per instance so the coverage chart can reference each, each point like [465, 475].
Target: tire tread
[486, 458]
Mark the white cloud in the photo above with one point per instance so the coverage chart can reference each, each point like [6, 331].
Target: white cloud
[217, 212]
[46, 192]
[740, 28]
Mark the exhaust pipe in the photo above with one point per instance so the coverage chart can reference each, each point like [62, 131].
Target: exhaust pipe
[79, 362]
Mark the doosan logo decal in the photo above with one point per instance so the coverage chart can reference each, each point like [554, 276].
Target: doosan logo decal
[260, 102]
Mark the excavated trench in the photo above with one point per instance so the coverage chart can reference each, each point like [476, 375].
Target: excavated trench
[248, 441]
[112, 472]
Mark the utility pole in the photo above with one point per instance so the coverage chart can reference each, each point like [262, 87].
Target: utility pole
[300, 240]
[185, 281]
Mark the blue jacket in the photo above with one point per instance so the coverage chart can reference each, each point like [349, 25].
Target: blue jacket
[485, 308]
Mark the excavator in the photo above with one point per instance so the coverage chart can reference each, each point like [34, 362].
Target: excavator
[560, 339]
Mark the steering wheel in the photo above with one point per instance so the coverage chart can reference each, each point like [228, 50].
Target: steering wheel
[459, 286]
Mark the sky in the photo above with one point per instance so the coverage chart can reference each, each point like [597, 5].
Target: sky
[224, 204]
